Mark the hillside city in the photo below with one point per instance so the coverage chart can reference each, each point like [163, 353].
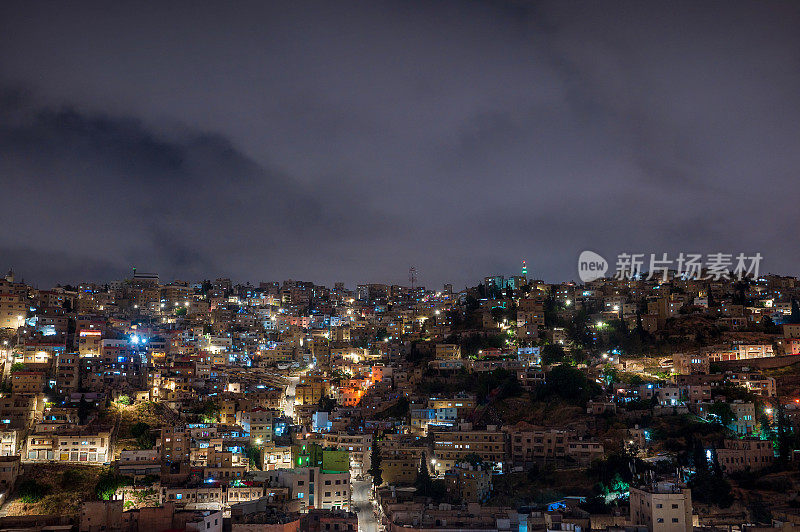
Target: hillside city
[629, 403]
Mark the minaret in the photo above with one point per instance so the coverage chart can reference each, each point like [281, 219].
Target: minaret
[10, 275]
[525, 270]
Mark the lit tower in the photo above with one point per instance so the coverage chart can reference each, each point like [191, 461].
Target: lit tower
[525, 270]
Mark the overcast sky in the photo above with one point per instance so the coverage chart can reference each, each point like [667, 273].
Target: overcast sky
[347, 141]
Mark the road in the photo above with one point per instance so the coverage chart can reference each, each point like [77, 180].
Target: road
[362, 505]
[288, 397]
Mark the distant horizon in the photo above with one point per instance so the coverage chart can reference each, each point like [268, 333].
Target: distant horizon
[349, 286]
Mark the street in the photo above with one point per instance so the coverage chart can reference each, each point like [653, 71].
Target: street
[288, 398]
[362, 505]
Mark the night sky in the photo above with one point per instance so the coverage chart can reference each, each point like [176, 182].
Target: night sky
[330, 140]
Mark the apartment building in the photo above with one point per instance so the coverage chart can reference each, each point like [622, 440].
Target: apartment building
[13, 302]
[424, 418]
[468, 483]
[400, 469]
[277, 456]
[314, 488]
[89, 446]
[753, 381]
[750, 454]
[690, 363]
[139, 462]
[358, 445]
[585, 451]
[176, 444]
[21, 411]
[447, 351]
[257, 423]
[662, 507]
[310, 389]
[744, 417]
[530, 444]
[463, 403]
[452, 447]
[9, 442]
[67, 373]
[90, 342]
[27, 382]
[9, 471]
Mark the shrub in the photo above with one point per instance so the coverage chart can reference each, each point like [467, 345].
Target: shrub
[109, 482]
[30, 491]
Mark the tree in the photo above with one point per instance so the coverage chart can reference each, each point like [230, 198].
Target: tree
[18, 366]
[84, 408]
[784, 433]
[498, 313]
[708, 484]
[31, 491]
[144, 437]
[124, 400]
[326, 404]
[795, 316]
[769, 326]
[375, 470]
[109, 482]
[723, 412]
[423, 483]
[474, 459]
[571, 384]
[209, 412]
[254, 455]
[552, 353]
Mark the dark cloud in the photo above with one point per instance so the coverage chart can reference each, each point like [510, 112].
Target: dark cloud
[349, 140]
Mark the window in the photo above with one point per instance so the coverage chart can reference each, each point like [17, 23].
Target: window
[674, 519]
[660, 520]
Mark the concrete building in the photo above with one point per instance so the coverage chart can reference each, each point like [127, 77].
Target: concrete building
[662, 507]
[9, 471]
[89, 446]
[751, 454]
[315, 488]
[358, 445]
[447, 351]
[453, 447]
[469, 483]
